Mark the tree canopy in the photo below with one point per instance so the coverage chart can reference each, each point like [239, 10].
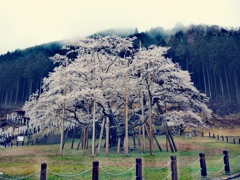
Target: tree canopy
[98, 70]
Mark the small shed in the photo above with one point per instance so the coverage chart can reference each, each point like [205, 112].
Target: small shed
[19, 113]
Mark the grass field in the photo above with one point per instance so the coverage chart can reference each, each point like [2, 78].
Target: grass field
[22, 161]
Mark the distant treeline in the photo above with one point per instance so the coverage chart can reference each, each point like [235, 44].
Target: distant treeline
[210, 53]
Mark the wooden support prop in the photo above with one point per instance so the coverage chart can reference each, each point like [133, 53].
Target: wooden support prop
[95, 170]
[65, 138]
[159, 147]
[203, 165]
[147, 131]
[100, 136]
[138, 169]
[168, 137]
[174, 168]
[153, 135]
[80, 140]
[166, 144]
[226, 162]
[73, 136]
[134, 139]
[84, 140]
[43, 172]
[118, 146]
[107, 135]
[138, 137]
[171, 138]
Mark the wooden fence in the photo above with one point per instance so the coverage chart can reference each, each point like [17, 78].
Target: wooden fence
[138, 166]
[230, 139]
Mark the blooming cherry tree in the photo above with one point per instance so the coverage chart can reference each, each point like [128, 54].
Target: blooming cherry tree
[90, 82]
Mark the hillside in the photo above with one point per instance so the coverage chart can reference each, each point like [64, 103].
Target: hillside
[210, 53]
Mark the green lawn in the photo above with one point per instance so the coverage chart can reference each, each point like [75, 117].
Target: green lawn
[16, 162]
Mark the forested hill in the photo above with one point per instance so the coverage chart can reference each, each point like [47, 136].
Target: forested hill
[210, 53]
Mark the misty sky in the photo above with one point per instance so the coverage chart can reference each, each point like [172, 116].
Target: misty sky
[25, 23]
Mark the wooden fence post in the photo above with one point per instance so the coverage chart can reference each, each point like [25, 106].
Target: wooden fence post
[95, 170]
[174, 168]
[238, 141]
[138, 169]
[226, 162]
[203, 165]
[43, 173]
